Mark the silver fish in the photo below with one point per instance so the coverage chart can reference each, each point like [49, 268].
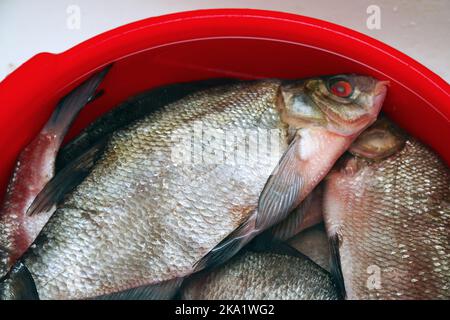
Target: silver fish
[35, 167]
[172, 194]
[387, 213]
[263, 275]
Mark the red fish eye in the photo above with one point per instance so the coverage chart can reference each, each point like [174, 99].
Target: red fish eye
[341, 88]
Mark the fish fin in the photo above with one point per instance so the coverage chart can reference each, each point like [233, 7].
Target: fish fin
[129, 111]
[282, 190]
[279, 195]
[287, 228]
[307, 214]
[336, 269]
[71, 104]
[18, 284]
[66, 179]
[229, 246]
[160, 291]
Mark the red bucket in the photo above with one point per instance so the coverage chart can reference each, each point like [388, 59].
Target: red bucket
[195, 45]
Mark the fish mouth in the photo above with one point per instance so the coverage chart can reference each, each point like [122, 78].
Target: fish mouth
[380, 92]
[381, 86]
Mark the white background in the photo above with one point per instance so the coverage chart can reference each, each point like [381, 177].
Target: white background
[419, 28]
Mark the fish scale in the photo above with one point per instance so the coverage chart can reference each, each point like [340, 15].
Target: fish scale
[394, 228]
[34, 168]
[263, 275]
[151, 203]
[112, 182]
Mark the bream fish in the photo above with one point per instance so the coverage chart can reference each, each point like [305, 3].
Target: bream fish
[188, 186]
[387, 213]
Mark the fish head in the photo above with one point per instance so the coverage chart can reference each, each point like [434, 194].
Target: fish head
[379, 141]
[345, 104]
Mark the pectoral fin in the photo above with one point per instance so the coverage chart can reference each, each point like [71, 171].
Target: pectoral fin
[307, 214]
[278, 198]
[336, 269]
[283, 189]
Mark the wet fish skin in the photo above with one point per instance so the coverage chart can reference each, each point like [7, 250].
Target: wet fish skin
[34, 168]
[325, 125]
[129, 111]
[389, 218]
[141, 219]
[135, 181]
[263, 275]
[90, 139]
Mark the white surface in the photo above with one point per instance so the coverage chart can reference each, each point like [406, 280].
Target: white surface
[419, 28]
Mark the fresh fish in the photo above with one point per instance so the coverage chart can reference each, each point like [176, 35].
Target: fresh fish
[263, 275]
[35, 167]
[121, 116]
[387, 213]
[129, 111]
[186, 187]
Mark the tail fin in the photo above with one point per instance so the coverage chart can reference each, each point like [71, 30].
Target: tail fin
[34, 168]
[68, 108]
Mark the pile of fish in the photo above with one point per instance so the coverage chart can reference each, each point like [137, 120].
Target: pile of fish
[225, 189]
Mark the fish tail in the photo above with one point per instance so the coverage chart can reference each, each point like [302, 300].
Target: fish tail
[35, 166]
[69, 107]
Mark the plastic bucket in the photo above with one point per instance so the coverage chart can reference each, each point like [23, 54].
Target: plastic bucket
[195, 45]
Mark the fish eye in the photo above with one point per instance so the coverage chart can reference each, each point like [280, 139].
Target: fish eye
[340, 87]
